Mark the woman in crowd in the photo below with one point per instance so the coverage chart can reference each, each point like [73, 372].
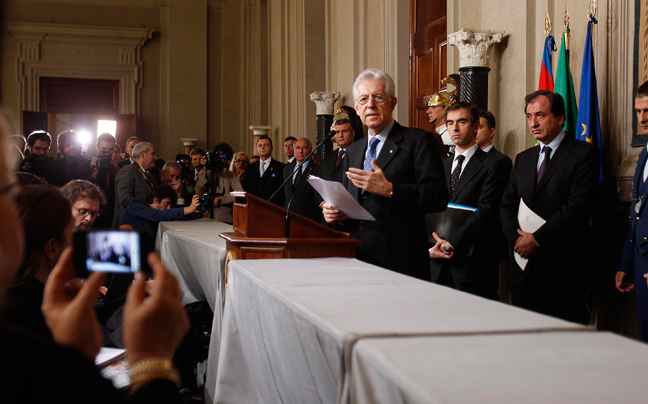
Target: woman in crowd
[47, 223]
[239, 165]
[64, 371]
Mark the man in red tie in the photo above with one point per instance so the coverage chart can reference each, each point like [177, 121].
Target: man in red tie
[332, 169]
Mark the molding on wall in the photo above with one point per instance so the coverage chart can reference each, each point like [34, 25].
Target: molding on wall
[83, 52]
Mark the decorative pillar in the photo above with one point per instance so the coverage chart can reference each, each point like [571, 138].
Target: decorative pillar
[325, 107]
[474, 55]
[188, 144]
[257, 132]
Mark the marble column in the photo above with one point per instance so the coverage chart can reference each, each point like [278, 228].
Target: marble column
[474, 55]
[325, 104]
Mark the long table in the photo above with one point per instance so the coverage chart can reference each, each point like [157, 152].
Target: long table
[290, 326]
[195, 254]
[549, 367]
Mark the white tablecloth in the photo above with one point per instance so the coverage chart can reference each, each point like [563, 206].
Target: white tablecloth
[552, 367]
[290, 325]
[195, 254]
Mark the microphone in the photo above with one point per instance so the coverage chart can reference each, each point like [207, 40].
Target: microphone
[301, 179]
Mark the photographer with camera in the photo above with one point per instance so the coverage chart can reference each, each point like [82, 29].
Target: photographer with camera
[70, 165]
[36, 161]
[173, 177]
[219, 183]
[102, 170]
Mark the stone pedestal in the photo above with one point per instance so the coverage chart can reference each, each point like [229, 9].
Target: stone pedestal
[474, 55]
[188, 144]
[257, 132]
[325, 108]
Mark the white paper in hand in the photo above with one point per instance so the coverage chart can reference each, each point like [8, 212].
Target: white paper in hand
[529, 222]
[336, 195]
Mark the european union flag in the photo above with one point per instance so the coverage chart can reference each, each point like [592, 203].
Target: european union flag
[588, 125]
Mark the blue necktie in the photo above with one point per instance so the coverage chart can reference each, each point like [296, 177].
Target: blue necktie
[372, 154]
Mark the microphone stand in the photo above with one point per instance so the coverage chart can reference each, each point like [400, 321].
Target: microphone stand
[301, 179]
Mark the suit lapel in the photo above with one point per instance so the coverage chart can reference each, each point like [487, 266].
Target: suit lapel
[447, 166]
[527, 169]
[472, 168]
[390, 148]
[560, 155]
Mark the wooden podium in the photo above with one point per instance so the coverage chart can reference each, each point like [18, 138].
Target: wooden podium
[259, 229]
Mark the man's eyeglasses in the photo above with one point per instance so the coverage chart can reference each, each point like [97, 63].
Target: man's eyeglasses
[87, 213]
[41, 149]
[377, 99]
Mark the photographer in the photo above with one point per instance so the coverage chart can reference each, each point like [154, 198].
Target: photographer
[172, 178]
[145, 215]
[37, 162]
[103, 170]
[70, 165]
[219, 183]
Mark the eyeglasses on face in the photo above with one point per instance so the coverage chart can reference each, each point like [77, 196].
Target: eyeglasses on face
[87, 213]
[240, 161]
[377, 99]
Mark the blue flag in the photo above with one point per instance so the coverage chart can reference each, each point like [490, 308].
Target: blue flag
[588, 125]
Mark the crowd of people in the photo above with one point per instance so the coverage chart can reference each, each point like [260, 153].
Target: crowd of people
[407, 178]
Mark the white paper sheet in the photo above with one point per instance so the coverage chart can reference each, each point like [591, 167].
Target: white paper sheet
[335, 194]
[529, 222]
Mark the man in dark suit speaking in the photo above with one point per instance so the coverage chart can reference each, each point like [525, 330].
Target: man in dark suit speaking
[396, 174]
[468, 259]
[557, 180]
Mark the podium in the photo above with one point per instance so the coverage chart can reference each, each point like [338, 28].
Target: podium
[259, 228]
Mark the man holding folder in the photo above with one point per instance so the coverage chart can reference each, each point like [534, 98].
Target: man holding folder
[557, 180]
[468, 258]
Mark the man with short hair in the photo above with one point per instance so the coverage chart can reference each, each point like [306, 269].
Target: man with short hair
[144, 214]
[36, 161]
[468, 259]
[301, 198]
[131, 142]
[289, 148]
[634, 258]
[134, 181]
[333, 164]
[397, 175]
[264, 177]
[170, 178]
[557, 179]
[71, 164]
[88, 202]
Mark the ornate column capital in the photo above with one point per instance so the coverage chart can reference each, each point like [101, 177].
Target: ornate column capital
[324, 102]
[260, 130]
[474, 47]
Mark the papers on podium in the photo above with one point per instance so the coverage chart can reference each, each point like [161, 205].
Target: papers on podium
[336, 195]
[529, 222]
[447, 222]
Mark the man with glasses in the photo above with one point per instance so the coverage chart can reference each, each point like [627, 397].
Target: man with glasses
[87, 200]
[396, 174]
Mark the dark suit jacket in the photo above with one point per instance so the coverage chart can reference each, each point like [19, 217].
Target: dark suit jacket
[564, 198]
[265, 186]
[78, 170]
[130, 184]
[329, 172]
[496, 232]
[481, 186]
[397, 239]
[304, 197]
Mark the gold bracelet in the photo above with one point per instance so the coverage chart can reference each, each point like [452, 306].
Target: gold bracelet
[153, 368]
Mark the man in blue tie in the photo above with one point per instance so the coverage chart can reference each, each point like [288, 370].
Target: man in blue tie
[397, 175]
[634, 259]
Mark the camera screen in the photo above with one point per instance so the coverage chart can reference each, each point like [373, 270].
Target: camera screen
[113, 251]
